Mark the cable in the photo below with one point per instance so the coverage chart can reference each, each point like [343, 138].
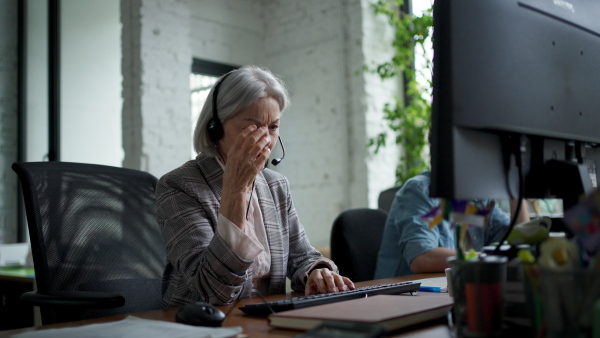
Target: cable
[237, 300]
[264, 300]
[506, 143]
[519, 163]
[250, 199]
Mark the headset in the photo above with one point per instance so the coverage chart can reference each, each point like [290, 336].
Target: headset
[215, 127]
[276, 161]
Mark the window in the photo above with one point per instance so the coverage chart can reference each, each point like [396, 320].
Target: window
[203, 77]
[423, 58]
[200, 85]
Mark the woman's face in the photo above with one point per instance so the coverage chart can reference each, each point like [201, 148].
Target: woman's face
[263, 113]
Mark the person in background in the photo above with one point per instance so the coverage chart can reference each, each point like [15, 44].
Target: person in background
[229, 224]
[410, 247]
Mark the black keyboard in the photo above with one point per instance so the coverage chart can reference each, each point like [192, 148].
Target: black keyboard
[265, 308]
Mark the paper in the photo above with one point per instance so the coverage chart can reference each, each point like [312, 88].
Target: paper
[136, 327]
[435, 284]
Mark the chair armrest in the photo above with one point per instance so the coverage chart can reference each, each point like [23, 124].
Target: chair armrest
[74, 299]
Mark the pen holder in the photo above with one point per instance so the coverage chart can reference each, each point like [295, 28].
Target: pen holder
[478, 290]
[568, 299]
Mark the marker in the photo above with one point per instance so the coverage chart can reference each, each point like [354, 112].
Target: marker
[433, 289]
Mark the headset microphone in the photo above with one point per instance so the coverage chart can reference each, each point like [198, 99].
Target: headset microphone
[276, 161]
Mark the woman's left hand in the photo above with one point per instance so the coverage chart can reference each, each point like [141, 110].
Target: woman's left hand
[326, 281]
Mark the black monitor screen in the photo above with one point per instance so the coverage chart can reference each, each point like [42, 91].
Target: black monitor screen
[515, 79]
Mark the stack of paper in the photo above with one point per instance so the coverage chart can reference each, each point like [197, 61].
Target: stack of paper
[136, 327]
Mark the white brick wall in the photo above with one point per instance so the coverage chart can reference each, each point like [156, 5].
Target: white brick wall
[227, 31]
[156, 97]
[8, 120]
[316, 47]
[306, 45]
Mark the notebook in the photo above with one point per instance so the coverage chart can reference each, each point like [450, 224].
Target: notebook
[390, 311]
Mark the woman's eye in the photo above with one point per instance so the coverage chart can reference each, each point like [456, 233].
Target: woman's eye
[274, 128]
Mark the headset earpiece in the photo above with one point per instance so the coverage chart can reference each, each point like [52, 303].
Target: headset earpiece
[215, 127]
[215, 130]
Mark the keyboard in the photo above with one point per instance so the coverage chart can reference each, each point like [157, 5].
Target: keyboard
[266, 308]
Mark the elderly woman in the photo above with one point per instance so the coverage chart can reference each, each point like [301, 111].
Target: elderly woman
[229, 224]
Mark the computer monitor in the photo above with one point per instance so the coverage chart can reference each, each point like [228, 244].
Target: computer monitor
[515, 77]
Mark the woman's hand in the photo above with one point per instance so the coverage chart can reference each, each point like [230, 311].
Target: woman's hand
[325, 281]
[244, 160]
[247, 157]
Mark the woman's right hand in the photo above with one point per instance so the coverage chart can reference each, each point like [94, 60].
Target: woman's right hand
[244, 160]
[247, 156]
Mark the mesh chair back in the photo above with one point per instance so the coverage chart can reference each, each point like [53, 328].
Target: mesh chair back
[355, 240]
[93, 228]
[386, 198]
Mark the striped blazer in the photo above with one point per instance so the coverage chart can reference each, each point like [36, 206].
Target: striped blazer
[200, 265]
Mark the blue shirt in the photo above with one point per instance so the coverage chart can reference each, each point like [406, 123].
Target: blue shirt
[406, 235]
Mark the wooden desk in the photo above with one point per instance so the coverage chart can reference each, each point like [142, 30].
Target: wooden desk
[259, 326]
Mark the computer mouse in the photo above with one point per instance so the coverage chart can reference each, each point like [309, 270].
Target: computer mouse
[200, 314]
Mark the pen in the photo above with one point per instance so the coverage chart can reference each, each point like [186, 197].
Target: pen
[433, 289]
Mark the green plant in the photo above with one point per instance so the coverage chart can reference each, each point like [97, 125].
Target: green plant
[410, 116]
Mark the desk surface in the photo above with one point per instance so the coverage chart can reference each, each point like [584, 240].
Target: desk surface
[259, 326]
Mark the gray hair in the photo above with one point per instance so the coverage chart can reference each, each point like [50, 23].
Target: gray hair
[241, 88]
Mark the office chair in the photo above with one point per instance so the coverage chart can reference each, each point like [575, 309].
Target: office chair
[96, 245]
[386, 197]
[355, 240]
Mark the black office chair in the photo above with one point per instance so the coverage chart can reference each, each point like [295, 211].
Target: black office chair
[386, 197]
[97, 247]
[355, 240]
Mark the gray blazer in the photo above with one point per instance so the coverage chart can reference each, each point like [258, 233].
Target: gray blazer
[200, 265]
